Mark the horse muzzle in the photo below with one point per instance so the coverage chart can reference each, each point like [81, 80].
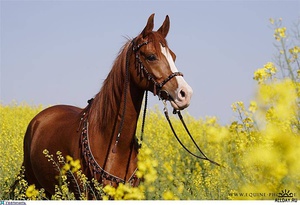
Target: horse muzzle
[181, 97]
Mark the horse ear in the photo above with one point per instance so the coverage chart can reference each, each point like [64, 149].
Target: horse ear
[164, 29]
[149, 27]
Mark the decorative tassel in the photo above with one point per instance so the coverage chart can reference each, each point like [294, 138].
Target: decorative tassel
[142, 71]
[137, 68]
[154, 90]
[114, 150]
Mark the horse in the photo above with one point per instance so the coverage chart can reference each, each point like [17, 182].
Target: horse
[102, 135]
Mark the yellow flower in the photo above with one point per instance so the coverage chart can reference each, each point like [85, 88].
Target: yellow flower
[146, 165]
[71, 165]
[211, 120]
[45, 152]
[248, 122]
[31, 192]
[168, 167]
[105, 198]
[168, 195]
[75, 165]
[110, 190]
[252, 107]
[260, 75]
[69, 159]
[294, 50]
[280, 33]
[270, 67]
[65, 168]
[241, 105]
[180, 188]
[238, 106]
[123, 191]
[265, 73]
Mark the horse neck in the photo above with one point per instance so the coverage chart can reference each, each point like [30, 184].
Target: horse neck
[106, 115]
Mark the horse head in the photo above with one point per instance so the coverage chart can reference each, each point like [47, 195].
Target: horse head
[155, 68]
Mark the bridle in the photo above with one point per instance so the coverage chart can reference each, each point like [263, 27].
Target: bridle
[142, 70]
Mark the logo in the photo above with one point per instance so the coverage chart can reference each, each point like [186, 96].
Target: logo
[286, 196]
[285, 193]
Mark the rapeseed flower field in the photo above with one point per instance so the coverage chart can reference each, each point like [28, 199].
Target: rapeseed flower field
[258, 151]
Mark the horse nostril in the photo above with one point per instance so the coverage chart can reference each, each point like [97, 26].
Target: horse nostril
[182, 93]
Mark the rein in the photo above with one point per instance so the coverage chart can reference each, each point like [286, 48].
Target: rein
[203, 157]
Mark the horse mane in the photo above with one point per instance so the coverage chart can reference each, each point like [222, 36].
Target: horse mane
[106, 102]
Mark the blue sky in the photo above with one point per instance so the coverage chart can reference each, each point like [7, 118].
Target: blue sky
[59, 52]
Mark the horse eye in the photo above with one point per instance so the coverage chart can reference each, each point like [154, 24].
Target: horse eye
[151, 57]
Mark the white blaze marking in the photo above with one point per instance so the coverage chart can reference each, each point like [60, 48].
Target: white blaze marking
[182, 84]
[180, 80]
[169, 58]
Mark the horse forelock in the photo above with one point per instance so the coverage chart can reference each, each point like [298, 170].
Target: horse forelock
[157, 40]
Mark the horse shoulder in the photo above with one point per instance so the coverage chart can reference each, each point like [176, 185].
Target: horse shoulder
[57, 124]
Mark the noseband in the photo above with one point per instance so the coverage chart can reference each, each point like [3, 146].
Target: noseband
[142, 70]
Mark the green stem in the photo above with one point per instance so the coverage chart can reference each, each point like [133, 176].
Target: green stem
[290, 69]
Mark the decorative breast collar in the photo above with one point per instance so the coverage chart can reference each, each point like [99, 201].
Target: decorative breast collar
[94, 167]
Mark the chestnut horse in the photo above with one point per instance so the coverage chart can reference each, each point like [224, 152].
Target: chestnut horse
[102, 136]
